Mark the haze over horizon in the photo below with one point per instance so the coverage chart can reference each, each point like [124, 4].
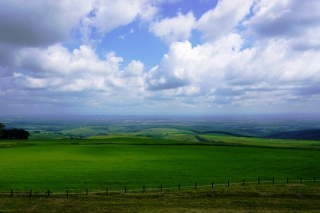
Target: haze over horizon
[159, 57]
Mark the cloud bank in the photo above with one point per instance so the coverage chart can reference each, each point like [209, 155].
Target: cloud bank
[255, 56]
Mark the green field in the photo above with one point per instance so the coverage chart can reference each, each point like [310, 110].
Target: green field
[94, 156]
[118, 161]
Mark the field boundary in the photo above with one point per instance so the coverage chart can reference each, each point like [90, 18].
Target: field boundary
[144, 189]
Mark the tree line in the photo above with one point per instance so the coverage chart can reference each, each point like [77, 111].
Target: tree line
[13, 134]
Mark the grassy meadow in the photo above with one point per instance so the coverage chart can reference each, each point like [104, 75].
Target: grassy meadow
[97, 155]
[133, 162]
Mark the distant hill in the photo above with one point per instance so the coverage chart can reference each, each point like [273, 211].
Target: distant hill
[310, 134]
[222, 133]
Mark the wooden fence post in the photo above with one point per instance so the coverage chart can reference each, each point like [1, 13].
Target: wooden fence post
[161, 187]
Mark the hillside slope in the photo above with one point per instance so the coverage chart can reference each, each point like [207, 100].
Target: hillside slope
[310, 134]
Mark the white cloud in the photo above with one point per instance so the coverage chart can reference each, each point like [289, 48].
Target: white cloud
[110, 14]
[268, 73]
[36, 23]
[270, 69]
[223, 19]
[57, 60]
[174, 29]
[57, 69]
[201, 65]
[134, 68]
[35, 82]
[287, 19]
[267, 57]
[44, 23]
[298, 24]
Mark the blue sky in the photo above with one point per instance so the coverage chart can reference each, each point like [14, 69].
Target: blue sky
[159, 57]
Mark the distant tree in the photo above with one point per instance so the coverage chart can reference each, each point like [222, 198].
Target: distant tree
[15, 134]
[2, 126]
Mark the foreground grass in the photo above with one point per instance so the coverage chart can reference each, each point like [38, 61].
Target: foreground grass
[119, 161]
[59, 165]
[116, 163]
[249, 198]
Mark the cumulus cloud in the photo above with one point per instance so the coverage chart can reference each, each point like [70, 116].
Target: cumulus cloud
[223, 19]
[174, 29]
[58, 60]
[200, 65]
[134, 68]
[285, 18]
[110, 14]
[269, 73]
[55, 76]
[213, 24]
[35, 62]
[252, 54]
[38, 23]
[78, 70]
[43, 23]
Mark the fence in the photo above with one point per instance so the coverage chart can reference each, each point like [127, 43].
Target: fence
[67, 193]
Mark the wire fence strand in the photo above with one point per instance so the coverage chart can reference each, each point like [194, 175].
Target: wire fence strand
[106, 191]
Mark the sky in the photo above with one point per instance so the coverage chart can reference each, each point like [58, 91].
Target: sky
[159, 57]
